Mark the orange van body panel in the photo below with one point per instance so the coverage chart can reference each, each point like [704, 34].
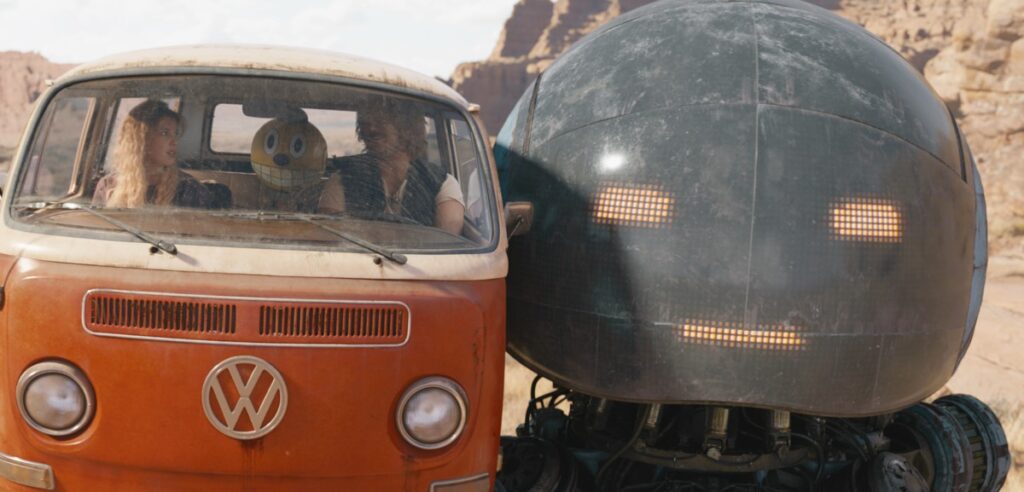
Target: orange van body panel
[339, 431]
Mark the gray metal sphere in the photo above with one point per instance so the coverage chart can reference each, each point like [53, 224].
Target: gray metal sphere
[741, 202]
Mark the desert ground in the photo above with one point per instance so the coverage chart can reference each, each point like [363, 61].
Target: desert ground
[992, 370]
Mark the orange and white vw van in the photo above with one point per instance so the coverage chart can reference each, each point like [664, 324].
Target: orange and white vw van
[251, 268]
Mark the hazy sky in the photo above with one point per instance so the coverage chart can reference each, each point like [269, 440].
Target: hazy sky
[430, 36]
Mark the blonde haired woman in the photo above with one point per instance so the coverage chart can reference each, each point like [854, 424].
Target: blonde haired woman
[145, 167]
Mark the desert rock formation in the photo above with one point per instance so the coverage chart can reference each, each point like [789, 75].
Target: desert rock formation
[540, 31]
[22, 79]
[529, 20]
[980, 73]
[970, 50]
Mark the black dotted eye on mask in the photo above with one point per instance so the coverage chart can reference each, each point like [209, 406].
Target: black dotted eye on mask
[270, 144]
[298, 146]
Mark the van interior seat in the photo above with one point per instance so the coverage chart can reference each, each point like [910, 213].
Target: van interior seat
[222, 196]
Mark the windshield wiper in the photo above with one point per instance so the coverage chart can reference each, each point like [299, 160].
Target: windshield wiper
[380, 250]
[165, 246]
[395, 257]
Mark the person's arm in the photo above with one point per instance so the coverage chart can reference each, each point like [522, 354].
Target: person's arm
[103, 190]
[450, 206]
[449, 216]
[332, 199]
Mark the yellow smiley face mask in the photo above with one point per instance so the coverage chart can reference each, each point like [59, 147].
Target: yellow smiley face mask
[289, 155]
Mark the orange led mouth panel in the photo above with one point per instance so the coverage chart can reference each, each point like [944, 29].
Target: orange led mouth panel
[634, 205]
[732, 335]
[866, 219]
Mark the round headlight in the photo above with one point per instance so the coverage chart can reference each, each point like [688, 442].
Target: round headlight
[432, 413]
[55, 398]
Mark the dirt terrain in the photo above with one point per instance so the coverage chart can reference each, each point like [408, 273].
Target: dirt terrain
[993, 369]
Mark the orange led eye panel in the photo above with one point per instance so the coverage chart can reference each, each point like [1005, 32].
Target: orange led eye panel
[634, 205]
[866, 219]
[733, 335]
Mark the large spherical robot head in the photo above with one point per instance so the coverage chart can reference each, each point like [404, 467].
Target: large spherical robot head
[289, 154]
[751, 202]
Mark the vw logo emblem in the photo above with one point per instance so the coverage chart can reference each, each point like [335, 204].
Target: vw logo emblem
[249, 386]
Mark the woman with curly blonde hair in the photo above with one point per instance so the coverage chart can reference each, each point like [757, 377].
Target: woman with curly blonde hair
[145, 168]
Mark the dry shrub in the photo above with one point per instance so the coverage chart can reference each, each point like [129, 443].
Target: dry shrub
[517, 394]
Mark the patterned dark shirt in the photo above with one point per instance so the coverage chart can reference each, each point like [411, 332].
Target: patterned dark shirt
[364, 191]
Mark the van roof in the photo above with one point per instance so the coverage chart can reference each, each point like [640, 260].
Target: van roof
[273, 58]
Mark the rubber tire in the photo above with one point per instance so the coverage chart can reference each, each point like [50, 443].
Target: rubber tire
[940, 434]
[989, 447]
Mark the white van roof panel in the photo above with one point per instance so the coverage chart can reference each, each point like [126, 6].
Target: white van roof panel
[296, 60]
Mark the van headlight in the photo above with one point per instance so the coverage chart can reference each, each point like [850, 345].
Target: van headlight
[55, 398]
[432, 413]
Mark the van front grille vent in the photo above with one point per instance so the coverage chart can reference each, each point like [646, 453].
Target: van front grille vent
[245, 320]
[381, 323]
[182, 316]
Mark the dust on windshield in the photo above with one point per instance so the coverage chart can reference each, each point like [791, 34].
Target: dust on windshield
[257, 161]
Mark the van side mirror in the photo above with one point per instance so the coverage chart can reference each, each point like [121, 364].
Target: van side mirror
[518, 217]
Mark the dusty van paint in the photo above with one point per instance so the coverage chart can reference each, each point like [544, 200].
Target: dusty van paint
[149, 429]
[253, 57]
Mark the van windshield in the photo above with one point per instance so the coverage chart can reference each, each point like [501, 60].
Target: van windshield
[256, 162]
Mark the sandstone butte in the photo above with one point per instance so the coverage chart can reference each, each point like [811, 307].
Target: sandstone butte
[972, 52]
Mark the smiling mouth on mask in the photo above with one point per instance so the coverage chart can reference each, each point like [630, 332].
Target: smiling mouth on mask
[286, 179]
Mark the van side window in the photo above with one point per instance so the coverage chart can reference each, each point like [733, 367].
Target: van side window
[231, 131]
[54, 158]
[467, 163]
[433, 148]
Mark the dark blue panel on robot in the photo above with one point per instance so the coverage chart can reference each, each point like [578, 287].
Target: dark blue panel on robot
[636, 361]
[624, 70]
[858, 232]
[746, 203]
[696, 257]
[823, 63]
